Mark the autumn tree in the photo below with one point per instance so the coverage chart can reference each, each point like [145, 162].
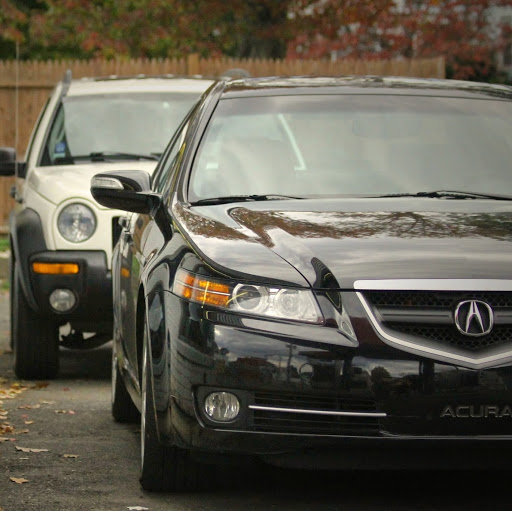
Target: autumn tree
[12, 19]
[459, 30]
[161, 28]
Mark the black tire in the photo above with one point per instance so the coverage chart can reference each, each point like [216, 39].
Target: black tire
[35, 338]
[123, 409]
[163, 467]
[11, 295]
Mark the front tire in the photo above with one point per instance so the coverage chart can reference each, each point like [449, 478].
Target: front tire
[163, 467]
[35, 339]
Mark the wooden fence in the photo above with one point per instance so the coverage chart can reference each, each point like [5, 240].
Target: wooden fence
[29, 83]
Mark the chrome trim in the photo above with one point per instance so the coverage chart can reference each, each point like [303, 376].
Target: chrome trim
[473, 362]
[474, 312]
[318, 412]
[434, 285]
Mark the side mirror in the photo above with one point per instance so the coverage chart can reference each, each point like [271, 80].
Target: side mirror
[8, 165]
[128, 190]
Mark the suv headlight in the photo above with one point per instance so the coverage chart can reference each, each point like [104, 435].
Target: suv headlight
[76, 223]
[270, 301]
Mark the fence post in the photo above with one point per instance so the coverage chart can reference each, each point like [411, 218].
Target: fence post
[193, 67]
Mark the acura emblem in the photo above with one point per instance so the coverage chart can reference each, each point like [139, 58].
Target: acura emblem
[474, 318]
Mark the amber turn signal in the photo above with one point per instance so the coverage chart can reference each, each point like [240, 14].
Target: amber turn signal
[55, 268]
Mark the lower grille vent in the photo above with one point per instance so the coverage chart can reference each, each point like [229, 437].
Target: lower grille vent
[309, 414]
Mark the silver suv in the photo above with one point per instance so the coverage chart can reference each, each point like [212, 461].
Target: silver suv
[61, 239]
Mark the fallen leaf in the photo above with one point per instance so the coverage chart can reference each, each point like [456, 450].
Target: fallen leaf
[70, 455]
[40, 385]
[28, 407]
[18, 480]
[29, 422]
[138, 508]
[22, 431]
[68, 412]
[7, 439]
[29, 449]
[48, 402]
[6, 429]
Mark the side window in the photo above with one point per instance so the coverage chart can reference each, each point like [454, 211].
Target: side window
[170, 158]
[56, 148]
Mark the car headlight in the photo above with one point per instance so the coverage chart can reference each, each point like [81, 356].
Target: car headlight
[270, 301]
[76, 222]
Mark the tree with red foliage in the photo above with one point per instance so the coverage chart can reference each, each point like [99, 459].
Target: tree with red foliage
[459, 30]
[11, 21]
[162, 28]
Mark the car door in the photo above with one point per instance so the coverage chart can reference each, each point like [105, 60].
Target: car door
[140, 241]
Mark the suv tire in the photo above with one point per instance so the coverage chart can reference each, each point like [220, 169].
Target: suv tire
[35, 338]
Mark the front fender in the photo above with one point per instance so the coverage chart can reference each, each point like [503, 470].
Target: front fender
[27, 238]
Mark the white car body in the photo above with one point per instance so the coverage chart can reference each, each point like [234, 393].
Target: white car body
[55, 175]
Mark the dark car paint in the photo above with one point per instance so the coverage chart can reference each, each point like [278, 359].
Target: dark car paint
[353, 238]
[428, 403]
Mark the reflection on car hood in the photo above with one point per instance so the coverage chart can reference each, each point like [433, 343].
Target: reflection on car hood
[355, 239]
[59, 183]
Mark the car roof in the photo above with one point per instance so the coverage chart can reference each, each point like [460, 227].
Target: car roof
[137, 84]
[362, 85]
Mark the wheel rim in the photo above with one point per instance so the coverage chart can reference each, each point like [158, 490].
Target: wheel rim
[114, 375]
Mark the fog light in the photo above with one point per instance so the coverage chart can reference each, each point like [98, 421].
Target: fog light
[221, 406]
[62, 300]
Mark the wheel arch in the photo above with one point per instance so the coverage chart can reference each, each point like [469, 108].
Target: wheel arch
[27, 238]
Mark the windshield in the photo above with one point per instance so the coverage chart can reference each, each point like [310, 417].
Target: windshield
[329, 145]
[110, 126]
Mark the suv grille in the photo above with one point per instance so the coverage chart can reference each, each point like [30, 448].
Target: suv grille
[116, 230]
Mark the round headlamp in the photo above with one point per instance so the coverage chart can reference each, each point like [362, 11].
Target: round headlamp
[76, 223]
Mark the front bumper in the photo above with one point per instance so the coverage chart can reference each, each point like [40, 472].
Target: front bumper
[338, 405]
[92, 286]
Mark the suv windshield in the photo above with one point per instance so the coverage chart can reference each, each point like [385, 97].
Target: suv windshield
[366, 144]
[114, 126]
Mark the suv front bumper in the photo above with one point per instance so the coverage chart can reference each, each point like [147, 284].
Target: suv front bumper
[92, 287]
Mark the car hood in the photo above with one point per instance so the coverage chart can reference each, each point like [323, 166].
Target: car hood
[57, 184]
[306, 242]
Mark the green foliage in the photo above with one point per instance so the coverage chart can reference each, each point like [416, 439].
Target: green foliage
[4, 244]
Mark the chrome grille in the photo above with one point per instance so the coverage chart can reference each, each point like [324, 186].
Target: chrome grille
[309, 418]
[429, 315]
[435, 299]
[450, 335]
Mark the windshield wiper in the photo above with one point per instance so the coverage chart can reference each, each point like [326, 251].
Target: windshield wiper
[240, 198]
[448, 194]
[113, 155]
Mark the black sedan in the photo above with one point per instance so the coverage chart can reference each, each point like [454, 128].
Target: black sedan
[319, 274]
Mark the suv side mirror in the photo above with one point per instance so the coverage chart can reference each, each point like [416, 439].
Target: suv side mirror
[8, 164]
[128, 190]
